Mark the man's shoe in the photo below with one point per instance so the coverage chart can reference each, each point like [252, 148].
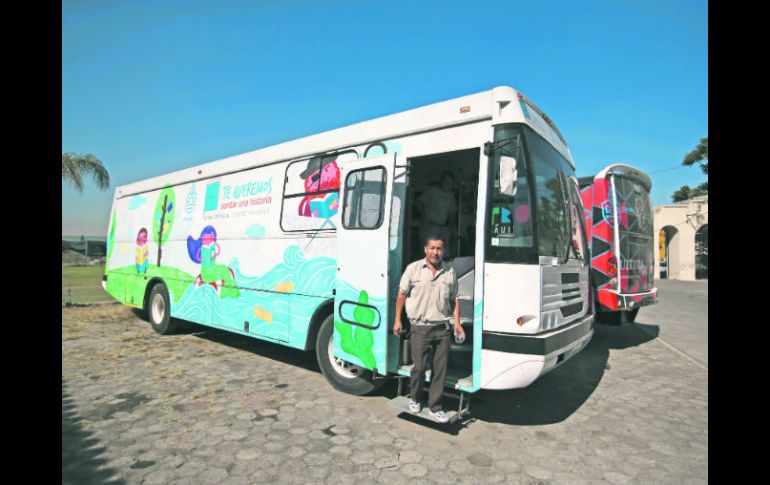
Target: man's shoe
[440, 416]
[414, 406]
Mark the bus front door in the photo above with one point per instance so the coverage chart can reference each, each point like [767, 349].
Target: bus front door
[361, 320]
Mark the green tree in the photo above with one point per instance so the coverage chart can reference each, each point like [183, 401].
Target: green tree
[685, 192]
[163, 218]
[74, 167]
[699, 155]
[702, 241]
[702, 252]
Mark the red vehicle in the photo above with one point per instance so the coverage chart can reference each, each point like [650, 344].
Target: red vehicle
[618, 215]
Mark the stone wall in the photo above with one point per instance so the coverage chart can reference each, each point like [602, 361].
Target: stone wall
[685, 218]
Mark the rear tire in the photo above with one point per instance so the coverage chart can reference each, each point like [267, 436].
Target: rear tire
[159, 310]
[342, 375]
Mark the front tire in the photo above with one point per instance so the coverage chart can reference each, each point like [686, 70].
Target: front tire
[619, 317]
[159, 310]
[629, 316]
[343, 376]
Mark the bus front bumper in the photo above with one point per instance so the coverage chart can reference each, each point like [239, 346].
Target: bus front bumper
[636, 300]
[614, 300]
[511, 361]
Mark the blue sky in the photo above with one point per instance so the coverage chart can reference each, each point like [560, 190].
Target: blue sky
[150, 87]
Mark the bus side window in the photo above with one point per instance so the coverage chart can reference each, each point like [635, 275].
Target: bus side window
[311, 194]
[364, 198]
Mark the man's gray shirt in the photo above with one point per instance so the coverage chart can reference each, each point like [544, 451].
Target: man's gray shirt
[428, 296]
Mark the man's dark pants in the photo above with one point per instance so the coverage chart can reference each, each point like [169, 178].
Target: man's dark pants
[422, 338]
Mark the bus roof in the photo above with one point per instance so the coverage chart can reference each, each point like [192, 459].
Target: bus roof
[621, 169]
[497, 104]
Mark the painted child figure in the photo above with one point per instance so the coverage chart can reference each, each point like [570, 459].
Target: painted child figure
[321, 174]
[204, 251]
[142, 253]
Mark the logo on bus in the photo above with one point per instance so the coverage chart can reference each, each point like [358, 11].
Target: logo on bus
[607, 213]
[191, 200]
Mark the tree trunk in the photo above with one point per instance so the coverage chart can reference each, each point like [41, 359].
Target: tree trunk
[160, 230]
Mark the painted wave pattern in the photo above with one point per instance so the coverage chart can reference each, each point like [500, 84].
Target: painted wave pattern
[294, 287]
[193, 305]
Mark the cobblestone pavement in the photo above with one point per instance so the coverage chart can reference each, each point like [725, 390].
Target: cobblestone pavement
[206, 406]
[673, 321]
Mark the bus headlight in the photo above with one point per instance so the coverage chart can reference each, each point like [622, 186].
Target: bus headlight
[524, 319]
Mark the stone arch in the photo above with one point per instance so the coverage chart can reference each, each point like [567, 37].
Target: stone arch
[670, 268]
[702, 252]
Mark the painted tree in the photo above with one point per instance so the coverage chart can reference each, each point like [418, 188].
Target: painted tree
[75, 166]
[163, 218]
[111, 239]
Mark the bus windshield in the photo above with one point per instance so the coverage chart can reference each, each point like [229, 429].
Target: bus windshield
[540, 219]
[633, 213]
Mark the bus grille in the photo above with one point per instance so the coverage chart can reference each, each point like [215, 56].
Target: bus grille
[564, 295]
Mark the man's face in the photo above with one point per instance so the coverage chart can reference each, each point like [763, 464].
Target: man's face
[434, 251]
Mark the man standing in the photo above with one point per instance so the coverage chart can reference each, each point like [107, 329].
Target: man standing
[429, 287]
[437, 210]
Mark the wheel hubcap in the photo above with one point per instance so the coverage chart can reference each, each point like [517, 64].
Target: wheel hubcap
[345, 369]
[158, 309]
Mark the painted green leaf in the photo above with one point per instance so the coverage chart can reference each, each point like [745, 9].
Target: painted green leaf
[163, 219]
[164, 211]
[359, 341]
[111, 238]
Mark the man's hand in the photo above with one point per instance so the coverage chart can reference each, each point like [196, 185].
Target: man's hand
[399, 307]
[458, 330]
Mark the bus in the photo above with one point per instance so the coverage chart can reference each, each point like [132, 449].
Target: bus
[620, 229]
[303, 243]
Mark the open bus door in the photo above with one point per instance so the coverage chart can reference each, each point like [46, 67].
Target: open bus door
[361, 318]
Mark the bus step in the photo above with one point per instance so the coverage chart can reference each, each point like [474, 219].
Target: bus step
[402, 403]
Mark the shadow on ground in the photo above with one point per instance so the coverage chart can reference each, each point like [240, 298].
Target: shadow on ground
[270, 350]
[81, 461]
[557, 395]
[550, 399]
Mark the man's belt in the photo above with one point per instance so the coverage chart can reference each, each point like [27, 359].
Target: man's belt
[428, 324]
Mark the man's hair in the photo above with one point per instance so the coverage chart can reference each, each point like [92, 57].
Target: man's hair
[446, 174]
[433, 237]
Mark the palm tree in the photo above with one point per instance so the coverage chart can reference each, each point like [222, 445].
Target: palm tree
[75, 166]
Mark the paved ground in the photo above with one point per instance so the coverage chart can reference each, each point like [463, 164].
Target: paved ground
[210, 407]
[673, 318]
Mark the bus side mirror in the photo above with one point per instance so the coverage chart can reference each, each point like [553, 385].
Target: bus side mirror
[508, 175]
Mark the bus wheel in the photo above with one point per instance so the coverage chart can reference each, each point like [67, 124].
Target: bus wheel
[629, 316]
[159, 310]
[342, 375]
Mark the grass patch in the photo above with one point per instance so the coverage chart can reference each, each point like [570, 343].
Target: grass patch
[83, 284]
[82, 275]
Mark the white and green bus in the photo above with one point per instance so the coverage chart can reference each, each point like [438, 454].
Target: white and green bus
[303, 243]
